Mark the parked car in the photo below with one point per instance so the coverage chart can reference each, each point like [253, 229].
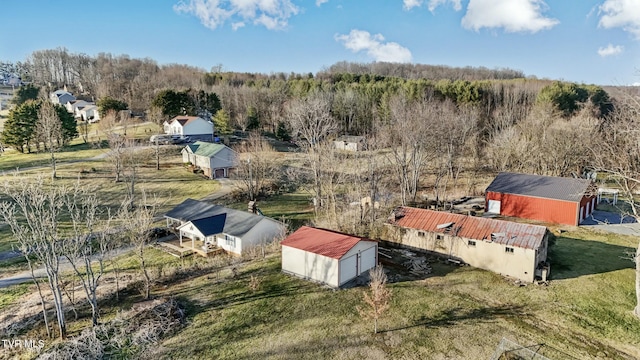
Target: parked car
[180, 139]
[161, 139]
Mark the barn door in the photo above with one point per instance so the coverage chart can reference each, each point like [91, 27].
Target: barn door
[494, 206]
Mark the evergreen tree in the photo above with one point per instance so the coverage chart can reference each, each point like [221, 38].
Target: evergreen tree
[221, 122]
[69, 125]
[19, 129]
[25, 93]
[107, 104]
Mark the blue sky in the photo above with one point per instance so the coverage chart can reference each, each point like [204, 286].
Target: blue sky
[587, 41]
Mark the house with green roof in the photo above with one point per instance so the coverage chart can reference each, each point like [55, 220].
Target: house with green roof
[215, 160]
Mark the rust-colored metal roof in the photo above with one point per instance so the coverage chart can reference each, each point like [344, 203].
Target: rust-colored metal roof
[323, 242]
[470, 227]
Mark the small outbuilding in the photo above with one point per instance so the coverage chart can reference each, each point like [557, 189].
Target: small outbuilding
[326, 256]
[544, 198]
[350, 143]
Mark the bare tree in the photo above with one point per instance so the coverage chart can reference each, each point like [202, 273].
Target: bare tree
[136, 223]
[618, 155]
[89, 244]
[410, 149]
[116, 142]
[257, 166]
[49, 131]
[377, 297]
[311, 121]
[34, 218]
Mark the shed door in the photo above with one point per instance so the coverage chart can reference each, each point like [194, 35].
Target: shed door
[367, 260]
[348, 268]
[494, 206]
[219, 173]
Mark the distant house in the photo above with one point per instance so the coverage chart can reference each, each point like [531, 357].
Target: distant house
[204, 225]
[90, 113]
[61, 97]
[350, 143]
[189, 126]
[75, 106]
[543, 198]
[327, 256]
[504, 247]
[216, 160]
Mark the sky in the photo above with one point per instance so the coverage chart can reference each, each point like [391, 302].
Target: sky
[583, 41]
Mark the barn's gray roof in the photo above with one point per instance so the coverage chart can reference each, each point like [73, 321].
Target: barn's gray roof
[550, 187]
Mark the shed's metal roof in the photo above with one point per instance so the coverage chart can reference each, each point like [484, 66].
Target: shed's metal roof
[470, 227]
[323, 242]
[550, 187]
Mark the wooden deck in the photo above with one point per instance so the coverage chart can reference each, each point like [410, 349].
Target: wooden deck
[173, 247]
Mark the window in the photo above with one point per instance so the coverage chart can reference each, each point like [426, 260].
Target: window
[508, 250]
[229, 240]
[439, 237]
[420, 233]
[471, 243]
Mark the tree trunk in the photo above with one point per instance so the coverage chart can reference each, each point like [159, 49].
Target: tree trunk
[44, 307]
[145, 274]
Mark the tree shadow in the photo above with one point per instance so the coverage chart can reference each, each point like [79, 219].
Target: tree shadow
[453, 316]
[572, 258]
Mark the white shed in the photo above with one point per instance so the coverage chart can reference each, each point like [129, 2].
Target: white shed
[327, 256]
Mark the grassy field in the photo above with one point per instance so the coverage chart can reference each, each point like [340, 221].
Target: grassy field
[456, 313]
[170, 186]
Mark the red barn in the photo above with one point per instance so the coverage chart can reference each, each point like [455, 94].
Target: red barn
[544, 198]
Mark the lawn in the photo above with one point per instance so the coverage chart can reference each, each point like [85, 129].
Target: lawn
[167, 187]
[457, 312]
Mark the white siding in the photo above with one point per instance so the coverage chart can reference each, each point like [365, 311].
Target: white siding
[310, 266]
[229, 243]
[520, 263]
[348, 268]
[198, 126]
[368, 259]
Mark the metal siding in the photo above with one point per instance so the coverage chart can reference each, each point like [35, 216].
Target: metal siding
[368, 259]
[547, 210]
[348, 269]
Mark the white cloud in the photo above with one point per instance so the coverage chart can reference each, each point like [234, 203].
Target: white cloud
[512, 15]
[610, 50]
[374, 45]
[320, 2]
[621, 13]
[410, 4]
[272, 14]
[433, 4]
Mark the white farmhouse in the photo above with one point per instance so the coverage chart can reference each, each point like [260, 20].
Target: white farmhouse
[188, 126]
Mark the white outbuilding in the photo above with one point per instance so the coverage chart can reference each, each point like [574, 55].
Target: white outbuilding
[326, 256]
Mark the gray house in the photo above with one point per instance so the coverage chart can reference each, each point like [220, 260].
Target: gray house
[206, 226]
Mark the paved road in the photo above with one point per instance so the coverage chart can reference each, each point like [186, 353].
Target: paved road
[613, 223]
